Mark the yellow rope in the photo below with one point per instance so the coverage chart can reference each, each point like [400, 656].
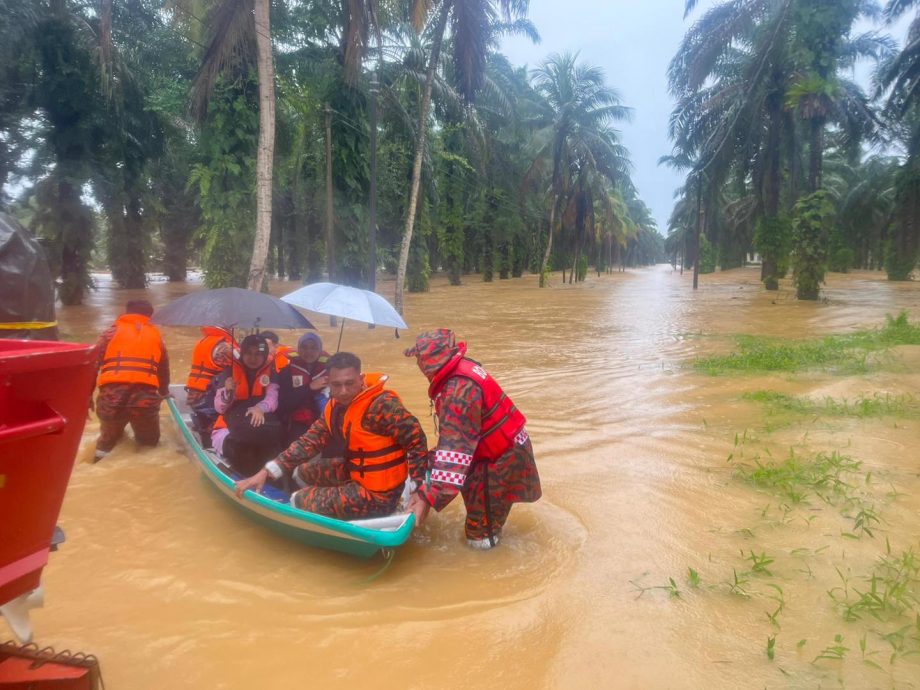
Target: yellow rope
[27, 325]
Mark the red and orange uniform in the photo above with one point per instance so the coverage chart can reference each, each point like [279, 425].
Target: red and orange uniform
[484, 452]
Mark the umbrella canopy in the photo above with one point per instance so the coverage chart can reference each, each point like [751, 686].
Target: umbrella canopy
[346, 302]
[230, 307]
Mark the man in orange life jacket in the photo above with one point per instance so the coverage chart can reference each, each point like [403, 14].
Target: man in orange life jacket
[483, 451]
[381, 445]
[133, 379]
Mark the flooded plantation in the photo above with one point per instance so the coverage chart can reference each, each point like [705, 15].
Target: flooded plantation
[701, 525]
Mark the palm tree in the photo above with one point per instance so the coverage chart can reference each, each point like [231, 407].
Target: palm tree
[900, 75]
[578, 110]
[472, 27]
[740, 70]
[240, 32]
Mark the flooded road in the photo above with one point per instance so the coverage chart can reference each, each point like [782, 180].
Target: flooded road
[171, 589]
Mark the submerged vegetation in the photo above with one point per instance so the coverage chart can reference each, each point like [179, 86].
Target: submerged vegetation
[839, 512]
[902, 406]
[840, 353]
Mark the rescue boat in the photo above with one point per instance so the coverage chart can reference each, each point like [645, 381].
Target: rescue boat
[272, 508]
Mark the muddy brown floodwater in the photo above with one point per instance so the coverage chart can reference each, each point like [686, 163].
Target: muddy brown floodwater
[172, 589]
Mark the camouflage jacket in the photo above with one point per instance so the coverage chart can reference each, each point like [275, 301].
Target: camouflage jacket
[386, 416]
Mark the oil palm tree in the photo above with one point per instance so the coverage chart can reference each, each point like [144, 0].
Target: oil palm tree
[578, 109]
[241, 33]
[900, 77]
[740, 72]
[473, 27]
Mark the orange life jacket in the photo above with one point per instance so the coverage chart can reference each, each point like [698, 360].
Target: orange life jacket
[134, 353]
[243, 393]
[378, 463]
[204, 368]
[259, 382]
[283, 356]
[502, 423]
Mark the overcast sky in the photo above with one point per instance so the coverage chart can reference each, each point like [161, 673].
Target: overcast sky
[633, 41]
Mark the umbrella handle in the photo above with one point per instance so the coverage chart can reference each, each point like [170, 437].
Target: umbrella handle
[339, 344]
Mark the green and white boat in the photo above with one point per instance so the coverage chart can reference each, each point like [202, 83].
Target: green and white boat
[272, 507]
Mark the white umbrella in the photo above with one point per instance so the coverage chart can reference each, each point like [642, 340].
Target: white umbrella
[346, 302]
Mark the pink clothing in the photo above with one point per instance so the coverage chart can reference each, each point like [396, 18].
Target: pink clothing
[222, 402]
[268, 404]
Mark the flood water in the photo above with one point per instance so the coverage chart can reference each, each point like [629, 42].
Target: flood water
[171, 588]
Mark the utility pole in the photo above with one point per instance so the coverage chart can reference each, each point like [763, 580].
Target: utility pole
[372, 205]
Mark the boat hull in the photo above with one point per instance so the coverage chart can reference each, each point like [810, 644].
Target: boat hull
[362, 538]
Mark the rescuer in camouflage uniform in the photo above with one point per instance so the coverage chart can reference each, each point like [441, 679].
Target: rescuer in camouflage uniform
[330, 484]
[121, 402]
[459, 463]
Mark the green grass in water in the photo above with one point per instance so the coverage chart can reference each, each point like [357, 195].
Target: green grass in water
[878, 405]
[845, 353]
[830, 476]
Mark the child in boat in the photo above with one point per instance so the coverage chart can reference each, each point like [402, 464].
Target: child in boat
[248, 431]
[302, 387]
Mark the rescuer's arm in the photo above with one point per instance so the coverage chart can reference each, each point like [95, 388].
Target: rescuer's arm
[388, 416]
[459, 424]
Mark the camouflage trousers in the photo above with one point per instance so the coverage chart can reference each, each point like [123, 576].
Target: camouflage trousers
[119, 404]
[329, 490]
[491, 488]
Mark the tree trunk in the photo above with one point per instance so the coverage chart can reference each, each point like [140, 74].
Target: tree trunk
[266, 151]
[699, 230]
[372, 202]
[549, 241]
[772, 179]
[330, 218]
[419, 154]
[816, 154]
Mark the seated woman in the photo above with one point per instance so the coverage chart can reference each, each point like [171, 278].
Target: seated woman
[302, 384]
[248, 433]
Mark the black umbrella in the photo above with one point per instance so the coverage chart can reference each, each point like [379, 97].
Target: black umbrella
[231, 308]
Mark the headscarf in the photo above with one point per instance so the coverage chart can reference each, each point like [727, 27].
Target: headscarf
[307, 337]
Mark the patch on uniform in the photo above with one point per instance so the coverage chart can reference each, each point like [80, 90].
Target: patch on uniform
[297, 381]
[264, 380]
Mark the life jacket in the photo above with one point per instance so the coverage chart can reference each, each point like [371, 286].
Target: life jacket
[260, 382]
[243, 392]
[502, 422]
[204, 368]
[376, 462]
[134, 353]
[283, 356]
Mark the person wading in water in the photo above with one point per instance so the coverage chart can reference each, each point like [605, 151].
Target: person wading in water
[483, 451]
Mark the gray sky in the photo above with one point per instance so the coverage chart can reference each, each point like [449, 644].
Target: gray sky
[633, 41]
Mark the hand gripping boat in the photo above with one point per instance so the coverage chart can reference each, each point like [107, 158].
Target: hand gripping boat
[272, 508]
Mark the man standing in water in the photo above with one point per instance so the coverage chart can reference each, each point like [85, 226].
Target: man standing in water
[483, 449]
[133, 379]
[370, 443]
